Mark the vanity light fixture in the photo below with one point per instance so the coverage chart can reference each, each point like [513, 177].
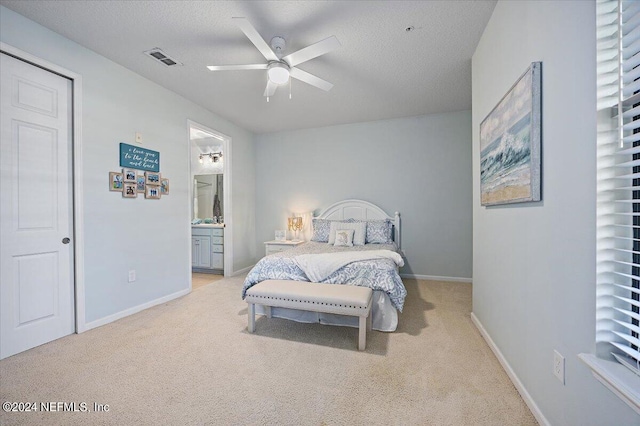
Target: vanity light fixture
[214, 157]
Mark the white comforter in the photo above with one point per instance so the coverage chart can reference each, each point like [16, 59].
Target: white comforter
[318, 267]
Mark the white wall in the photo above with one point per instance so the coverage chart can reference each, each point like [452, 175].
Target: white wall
[150, 236]
[534, 264]
[419, 166]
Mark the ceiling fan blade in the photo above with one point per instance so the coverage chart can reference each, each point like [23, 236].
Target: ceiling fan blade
[313, 51]
[255, 38]
[310, 79]
[237, 67]
[270, 89]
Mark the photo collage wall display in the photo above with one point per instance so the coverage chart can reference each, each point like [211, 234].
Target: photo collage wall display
[131, 182]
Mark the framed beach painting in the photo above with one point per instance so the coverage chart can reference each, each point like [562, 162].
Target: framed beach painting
[510, 144]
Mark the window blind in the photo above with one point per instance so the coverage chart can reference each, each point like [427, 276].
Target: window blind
[618, 198]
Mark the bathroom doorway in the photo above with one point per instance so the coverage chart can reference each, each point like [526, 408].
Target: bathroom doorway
[210, 205]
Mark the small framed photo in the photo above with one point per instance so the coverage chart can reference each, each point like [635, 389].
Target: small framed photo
[129, 190]
[129, 175]
[153, 178]
[164, 186]
[281, 235]
[115, 181]
[152, 192]
[140, 184]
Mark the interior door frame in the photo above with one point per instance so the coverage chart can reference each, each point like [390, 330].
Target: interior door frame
[76, 170]
[226, 196]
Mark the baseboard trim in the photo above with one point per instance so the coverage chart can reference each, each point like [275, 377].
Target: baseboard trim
[242, 271]
[436, 278]
[512, 375]
[134, 310]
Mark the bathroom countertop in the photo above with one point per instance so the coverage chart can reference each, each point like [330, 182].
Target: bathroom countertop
[209, 225]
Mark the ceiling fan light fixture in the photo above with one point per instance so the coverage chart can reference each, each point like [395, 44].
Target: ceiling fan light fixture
[278, 73]
[281, 69]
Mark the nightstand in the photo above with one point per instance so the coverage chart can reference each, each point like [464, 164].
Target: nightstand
[271, 247]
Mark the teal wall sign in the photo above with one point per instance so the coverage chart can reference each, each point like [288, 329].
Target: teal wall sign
[135, 157]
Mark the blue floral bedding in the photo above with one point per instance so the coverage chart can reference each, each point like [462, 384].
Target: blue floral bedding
[377, 274]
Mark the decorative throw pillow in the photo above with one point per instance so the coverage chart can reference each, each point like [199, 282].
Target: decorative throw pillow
[379, 231]
[321, 230]
[344, 238]
[359, 229]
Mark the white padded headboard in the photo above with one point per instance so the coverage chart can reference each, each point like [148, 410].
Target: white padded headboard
[363, 210]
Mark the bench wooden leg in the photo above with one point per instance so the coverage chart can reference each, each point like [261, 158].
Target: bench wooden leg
[267, 310]
[252, 317]
[362, 333]
[370, 320]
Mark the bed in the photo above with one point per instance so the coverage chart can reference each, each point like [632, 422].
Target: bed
[378, 273]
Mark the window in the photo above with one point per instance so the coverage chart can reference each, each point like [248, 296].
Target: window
[618, 200]
[619, 283]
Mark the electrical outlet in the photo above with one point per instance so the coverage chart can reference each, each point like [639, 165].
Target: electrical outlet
[558, 366]
[138, 137]
[132, 275]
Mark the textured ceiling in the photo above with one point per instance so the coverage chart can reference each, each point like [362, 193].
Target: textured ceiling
[381, 71]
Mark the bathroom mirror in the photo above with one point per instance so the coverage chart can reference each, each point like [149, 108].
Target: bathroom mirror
[207, 196]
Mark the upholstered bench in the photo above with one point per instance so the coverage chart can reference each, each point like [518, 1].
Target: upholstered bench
[306, 296]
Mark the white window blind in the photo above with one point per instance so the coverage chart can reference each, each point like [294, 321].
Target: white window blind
[618, 186]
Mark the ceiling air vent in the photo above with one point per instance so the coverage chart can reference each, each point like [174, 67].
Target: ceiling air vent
[159, 55]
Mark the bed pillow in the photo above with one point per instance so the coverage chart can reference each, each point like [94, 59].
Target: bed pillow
[359, 228]
[321, 230]
[378, 231]
[344, 238]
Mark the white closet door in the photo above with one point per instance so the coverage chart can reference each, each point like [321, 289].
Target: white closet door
[36, 242]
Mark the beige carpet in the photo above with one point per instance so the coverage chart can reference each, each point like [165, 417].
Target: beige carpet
[191, 361]
[199, 279]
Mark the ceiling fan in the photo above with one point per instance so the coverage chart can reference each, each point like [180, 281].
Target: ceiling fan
[279, 68]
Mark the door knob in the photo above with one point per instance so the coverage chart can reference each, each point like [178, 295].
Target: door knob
[66, 240]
